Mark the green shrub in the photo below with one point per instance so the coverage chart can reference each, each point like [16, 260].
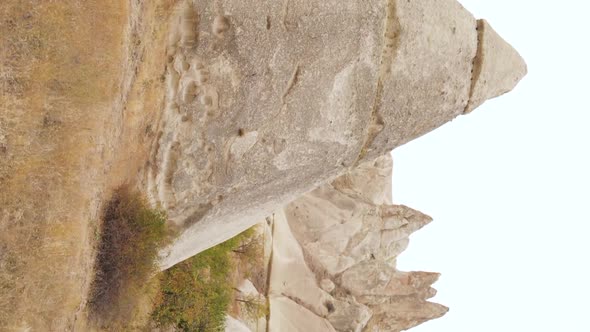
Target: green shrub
[195, 294]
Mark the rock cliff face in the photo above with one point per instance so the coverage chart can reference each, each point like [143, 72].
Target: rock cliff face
[333, 263]
[267, 102]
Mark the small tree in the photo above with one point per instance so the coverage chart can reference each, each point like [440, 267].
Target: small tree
[250, 247]
[253, 306]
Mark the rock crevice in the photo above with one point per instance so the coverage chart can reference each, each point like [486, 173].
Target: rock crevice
[390, 43]
[477, 62]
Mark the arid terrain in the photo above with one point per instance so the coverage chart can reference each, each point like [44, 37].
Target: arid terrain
[76, 108]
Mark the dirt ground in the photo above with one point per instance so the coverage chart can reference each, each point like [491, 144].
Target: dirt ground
[80, 90]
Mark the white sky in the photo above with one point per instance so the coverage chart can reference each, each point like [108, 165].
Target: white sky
[508, 186]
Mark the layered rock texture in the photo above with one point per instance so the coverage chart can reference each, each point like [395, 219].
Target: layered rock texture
[267, 102]
[334, 259]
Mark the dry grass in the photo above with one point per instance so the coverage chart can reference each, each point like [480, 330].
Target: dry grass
[58, 72]
[63, 104]
[131, 235]
[249, 264]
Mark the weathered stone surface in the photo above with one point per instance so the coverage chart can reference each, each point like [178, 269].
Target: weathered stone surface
[497, 67]
[234, 325]
[334, 253]
[297, 303]
[425, 74]
[268, 102]
[243, 108]
[288, 316]
[264, 122]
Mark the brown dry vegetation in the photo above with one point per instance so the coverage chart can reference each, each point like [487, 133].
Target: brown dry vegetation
[72, 75]
[56, 75]
[131, 235]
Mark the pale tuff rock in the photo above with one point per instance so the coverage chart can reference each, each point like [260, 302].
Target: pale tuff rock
[290, 104]
[497, 67]
[234, 325]
[334, 253]
[288, 316]
[371, 181]
[327, 285]
[268, 102]
[296, 301]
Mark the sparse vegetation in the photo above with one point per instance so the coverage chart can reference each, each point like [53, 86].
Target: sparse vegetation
[131, 236]
[252, 306]
[58, 62]
[249, 257]
[62, 68]
[197, 293]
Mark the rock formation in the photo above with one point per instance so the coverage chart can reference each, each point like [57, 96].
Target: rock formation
[224, 112]
[267, 102]
[334, 258]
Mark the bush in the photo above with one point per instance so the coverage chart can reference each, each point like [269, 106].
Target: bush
[253, 306]
[131, 236]
[196, 294]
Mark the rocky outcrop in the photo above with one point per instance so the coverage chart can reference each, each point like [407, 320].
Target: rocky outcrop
[223, 112]
[268, 102]
[334, 256]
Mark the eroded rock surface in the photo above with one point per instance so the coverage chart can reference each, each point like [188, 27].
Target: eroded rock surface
[335, 252]
[224, 111]
[268, 102]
